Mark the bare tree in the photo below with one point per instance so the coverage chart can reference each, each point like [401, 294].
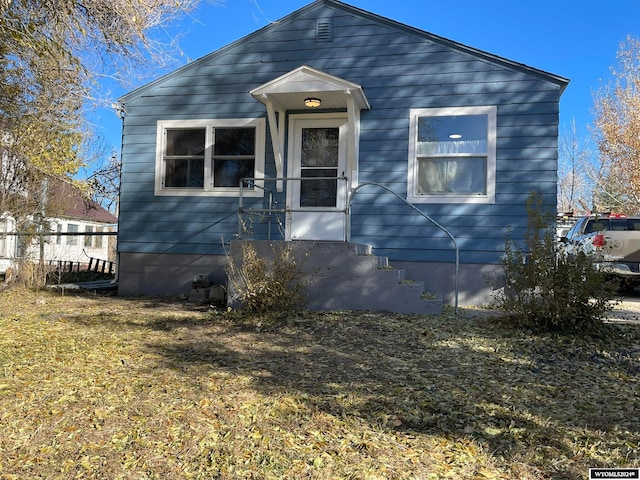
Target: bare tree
[52, 55]
[576, 172]
[617, 123]
[104, 182]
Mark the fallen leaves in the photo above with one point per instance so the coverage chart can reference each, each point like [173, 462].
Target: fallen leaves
[139, 388]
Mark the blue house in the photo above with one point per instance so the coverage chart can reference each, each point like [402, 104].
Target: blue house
[335, 124]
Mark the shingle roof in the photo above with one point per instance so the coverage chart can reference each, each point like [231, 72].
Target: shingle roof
[74, 204]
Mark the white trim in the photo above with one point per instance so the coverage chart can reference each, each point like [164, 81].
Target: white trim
[209, 124]
[288, 91]
[412, 173]
[319, 120]
[296, 123]
[277, 140]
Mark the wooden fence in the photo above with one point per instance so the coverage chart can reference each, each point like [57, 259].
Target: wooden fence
[94, 265]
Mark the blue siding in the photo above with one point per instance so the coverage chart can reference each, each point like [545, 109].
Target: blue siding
[399, 68]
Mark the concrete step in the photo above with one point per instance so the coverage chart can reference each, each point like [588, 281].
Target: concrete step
[346, 276]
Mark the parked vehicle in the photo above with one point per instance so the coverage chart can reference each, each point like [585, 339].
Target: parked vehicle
[614, 243]
[564, 222]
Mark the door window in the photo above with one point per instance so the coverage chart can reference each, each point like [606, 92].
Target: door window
[319, 159]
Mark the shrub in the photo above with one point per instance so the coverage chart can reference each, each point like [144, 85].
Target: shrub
[262, 285]
[27, 274]
[548, 291]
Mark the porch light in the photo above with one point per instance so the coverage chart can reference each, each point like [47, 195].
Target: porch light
[312, 102]
[455, 136]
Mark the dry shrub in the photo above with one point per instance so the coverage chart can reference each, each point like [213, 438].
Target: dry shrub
[263, 285]
[27, 274]
[549, 291]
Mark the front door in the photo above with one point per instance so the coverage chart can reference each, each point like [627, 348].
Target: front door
[317, 156]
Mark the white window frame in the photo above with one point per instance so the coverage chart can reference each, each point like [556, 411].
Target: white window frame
[72, 240]
[88, 239]
[412, 178]
[209, 125]
[97, 240]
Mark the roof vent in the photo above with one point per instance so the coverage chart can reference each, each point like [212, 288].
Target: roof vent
[324, 30]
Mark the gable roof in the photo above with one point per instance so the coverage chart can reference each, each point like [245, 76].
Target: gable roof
[304, 81]
[504, 62]
[73, 204]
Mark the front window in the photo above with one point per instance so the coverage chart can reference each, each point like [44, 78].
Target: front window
[88, 239]
[72, 229]
[209, 157]
[452, 155]
[98, 239]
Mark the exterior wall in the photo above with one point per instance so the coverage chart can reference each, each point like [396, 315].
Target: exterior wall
[75, 249]
[79, 248]
[147, 274]
[8, 247]
[399, 69]
[165, 274]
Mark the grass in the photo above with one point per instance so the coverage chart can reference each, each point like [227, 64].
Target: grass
[115, 388]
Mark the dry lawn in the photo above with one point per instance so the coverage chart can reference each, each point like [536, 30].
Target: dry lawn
[114, 388]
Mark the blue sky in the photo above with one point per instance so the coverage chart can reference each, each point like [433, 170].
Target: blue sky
[575, 40]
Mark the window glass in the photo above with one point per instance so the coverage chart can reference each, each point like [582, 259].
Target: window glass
[185, 142]
[452, 155]
[452, 134]
[88, 239]
[597, 226]
[227, 173]
[452, 175]
[184, 156]
[320, 147]
[449, 149]
[235, 141]
[72, 239]
[98, 239]
[233, 155]
[209, 157]
[573, 230]
[185, 173]
[319, 193]
[319, 159]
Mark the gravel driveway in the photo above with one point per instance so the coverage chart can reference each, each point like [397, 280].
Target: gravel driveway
[629, 310]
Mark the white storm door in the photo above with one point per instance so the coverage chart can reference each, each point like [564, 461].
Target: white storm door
[317, 155]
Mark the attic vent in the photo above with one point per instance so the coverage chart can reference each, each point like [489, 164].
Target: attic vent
[324, 30]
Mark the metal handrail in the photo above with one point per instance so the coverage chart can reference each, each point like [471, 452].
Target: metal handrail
[455, 243]
[255, 185]
[346, 210]
[254, 182]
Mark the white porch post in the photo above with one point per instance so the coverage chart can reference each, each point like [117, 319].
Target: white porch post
[277, 140]
[353, 118]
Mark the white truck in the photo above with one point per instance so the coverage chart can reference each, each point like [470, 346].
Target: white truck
[613, 241]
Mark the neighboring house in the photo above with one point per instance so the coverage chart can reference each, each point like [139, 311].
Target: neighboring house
[81, 222]
[310, 108]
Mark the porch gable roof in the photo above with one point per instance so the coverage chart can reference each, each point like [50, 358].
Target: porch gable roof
[289, 91]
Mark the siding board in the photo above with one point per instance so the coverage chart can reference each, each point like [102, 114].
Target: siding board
[399, 69]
